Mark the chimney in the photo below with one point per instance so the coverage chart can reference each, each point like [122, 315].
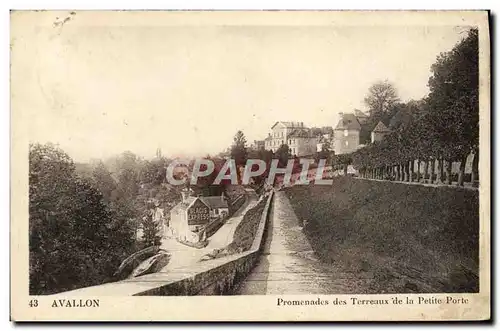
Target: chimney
[185, 194]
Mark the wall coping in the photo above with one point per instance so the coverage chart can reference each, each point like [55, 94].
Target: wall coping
[141, 284]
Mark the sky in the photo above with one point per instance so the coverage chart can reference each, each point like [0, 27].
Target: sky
[98, 90]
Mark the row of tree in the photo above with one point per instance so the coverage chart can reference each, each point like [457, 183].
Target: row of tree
[442, 128]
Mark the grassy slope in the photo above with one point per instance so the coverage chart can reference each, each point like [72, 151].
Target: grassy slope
[410, 238]
[246, 230]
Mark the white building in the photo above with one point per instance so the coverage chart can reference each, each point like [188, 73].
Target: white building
[294, 134]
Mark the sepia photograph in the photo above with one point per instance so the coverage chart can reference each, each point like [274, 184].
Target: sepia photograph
[301, 159]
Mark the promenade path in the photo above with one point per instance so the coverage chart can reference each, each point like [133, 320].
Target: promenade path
[288, 264]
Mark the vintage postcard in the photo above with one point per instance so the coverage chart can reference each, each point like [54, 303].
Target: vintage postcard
[250, 166]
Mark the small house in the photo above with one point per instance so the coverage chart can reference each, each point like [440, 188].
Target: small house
[189, 217]
[218, 205]
[379, 132]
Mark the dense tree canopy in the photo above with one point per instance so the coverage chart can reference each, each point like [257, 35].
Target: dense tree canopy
[443, 127]
[75, 240]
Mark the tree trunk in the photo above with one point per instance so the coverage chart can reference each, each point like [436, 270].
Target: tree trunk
[461, 173]
[418, 170]
[448, 172]
[439, 175]
[475, 168]
[410, 170]
[433, 167]
[426, 170]
[442, 171]
[408, 175]
[345, 169]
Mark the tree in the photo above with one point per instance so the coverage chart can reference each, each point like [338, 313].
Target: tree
[282, 154]
[239, 149]
[154, 171]
[151, 227]
[381, 97]
[454, 101]
[343, 161]
[74, 239]
[325, 152]
[103, 181]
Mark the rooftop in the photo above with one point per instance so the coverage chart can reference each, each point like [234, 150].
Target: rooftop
[289, 124]
[299, 133]
[360, 114]
[348, 122]
[380, 127]
[215, 202]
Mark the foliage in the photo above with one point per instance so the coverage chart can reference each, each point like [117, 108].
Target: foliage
[326, 153]
[442, 126]
[151, 228]
[75, 240]
[282, 154]
[382, 96]
[239, 149]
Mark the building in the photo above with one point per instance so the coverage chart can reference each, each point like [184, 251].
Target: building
[294, 134]
[301, 142]
[218, 205]
[189, 217]
[279, 134]
[346, 134]
[258, 145]
[379, 132]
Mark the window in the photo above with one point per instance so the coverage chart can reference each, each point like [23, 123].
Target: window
[346, 143]
[346, 133]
